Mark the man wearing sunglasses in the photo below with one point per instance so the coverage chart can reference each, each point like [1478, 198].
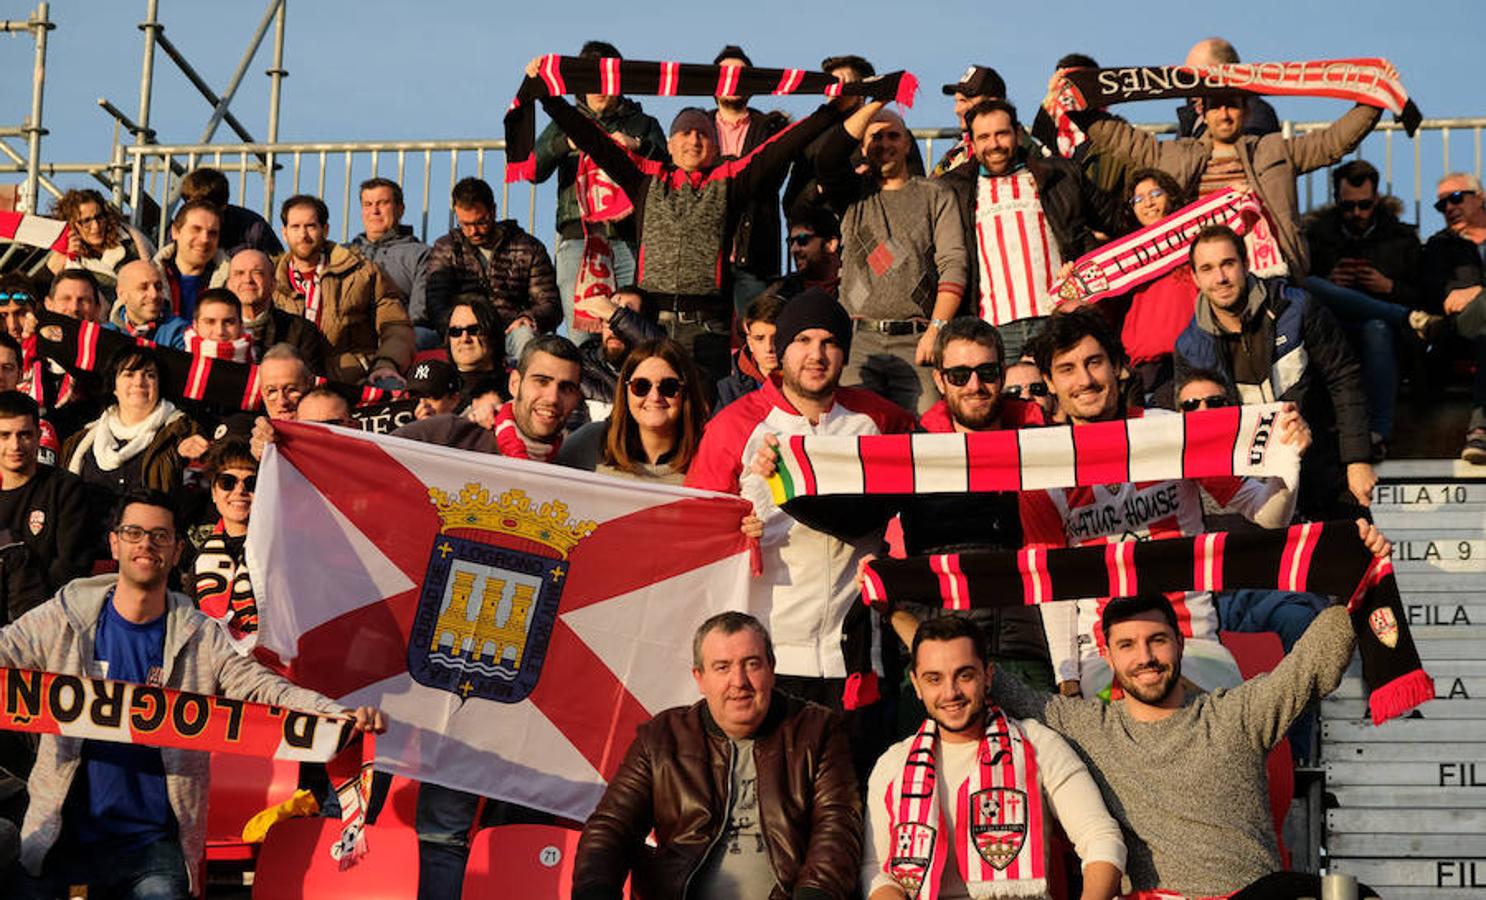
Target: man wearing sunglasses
[1365, 268]
[136, 822]
[1454, 276]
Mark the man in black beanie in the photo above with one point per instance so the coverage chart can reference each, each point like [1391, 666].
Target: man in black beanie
[808, 583]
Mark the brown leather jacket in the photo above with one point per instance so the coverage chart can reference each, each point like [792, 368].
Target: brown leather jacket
[676, 779]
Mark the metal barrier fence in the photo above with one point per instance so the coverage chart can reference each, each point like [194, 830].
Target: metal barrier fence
[333, 170]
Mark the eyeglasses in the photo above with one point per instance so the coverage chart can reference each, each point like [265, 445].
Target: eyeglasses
[1152, 194]
[668, 387]
[1020, 391]
[459, 331]
[1454, 198]
[288, 392]
[95, 219]
[959, 376]
[801, 239]
[133, 534]
[227, 482]
[1349, 205]
[1216, 401]
[20, 298]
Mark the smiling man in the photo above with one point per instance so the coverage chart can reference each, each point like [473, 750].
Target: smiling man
[947, 822]
[1454, 277]
[143, 308]
[748, 791]
[193, 260]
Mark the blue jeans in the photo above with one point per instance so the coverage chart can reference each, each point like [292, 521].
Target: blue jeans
[568, 258]
[1373, 326]
[1288, 615]
[443, 819]
[154, 872]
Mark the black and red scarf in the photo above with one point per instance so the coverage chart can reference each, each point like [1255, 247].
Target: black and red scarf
[1320, 558]
[573, 75]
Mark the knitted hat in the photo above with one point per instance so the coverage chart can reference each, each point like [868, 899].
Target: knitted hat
[811, 308]
[693, 119]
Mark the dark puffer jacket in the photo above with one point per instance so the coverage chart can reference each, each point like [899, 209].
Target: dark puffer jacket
[1390, 245]
[519, 279]
[676, 778]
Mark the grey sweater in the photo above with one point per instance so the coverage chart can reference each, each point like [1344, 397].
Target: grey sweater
[58, 635]
[1190, 791]
[899, 249]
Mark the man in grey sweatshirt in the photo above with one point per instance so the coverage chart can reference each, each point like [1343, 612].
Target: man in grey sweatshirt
[1183, 772]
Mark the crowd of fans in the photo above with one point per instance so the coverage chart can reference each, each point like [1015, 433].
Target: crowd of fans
[912, 302]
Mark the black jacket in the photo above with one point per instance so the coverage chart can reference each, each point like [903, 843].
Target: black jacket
[756, 240]
[1070, 203]
[1390, 245]
[552, 154]
[48, 515]
[284, 327]
[1450, 261]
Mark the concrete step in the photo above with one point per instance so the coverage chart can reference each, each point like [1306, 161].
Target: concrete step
[1463, 777]
[1456, 873]
[1385, 796]
[1428, 497]
[1456, 753]
[1356, 708]
[1405, 731]
[1447, 688]
[1430, 470]
[1412, 846]
[1406, 821]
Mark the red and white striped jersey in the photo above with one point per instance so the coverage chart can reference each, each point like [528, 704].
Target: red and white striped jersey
[1015, 249]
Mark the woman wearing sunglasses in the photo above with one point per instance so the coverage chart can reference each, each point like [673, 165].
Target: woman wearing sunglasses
[219, 582]
[472, 321]
[1159, 310]
[99, 239]
[655, 427]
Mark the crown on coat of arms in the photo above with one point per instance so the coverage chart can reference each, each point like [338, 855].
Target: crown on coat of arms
[512, 513]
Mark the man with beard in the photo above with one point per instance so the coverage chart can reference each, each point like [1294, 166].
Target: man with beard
[629, 320]
[943, 786]
[143, 309]
[808, 583]
[815, 247]
[1080, 358]
[903, 264]
[1026, 218]
[1183, 771]
[192, 261]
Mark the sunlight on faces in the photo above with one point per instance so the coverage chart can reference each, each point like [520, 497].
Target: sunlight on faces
[1224, 117]
[380, 212]
[73, 298]
[468, 351]
[1200, 388]
[545, 396]
[10, 369]
[234, 506]
[1357, 218]
[654, 412]
[250, 277]
[614, 346]
[736, 679]
[994, 139]
[812, 364]
[332, 410]
[1470, 212]
[1149, 207]
[282, 382]
[760, 337]
[90, 224]
[196, 239]
[142, 564]
[142, 291]
[217, 321]
[813, 254]
[1145, 654]
[1085, 381]
[886, 143]
[976, 404]
[952, 684]
[18, 440]
[304, 233]
[1220, 273]
[137, 392]
[692, 150]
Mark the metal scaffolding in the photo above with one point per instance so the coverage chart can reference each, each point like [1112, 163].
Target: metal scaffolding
[38, 24]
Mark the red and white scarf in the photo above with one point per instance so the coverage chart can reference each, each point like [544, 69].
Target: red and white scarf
[223, 592]
[998, 836]
[515, 444]
[308, 287]
[240, 350]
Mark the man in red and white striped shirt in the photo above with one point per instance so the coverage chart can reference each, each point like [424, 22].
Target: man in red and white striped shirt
[1025, 217]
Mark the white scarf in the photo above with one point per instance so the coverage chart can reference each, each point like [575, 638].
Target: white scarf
[113, 443]
[997, 832]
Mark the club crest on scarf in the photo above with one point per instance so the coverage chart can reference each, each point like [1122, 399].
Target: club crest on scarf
[913, 855]
[1385, 626]
[998, 824]
[490, 597]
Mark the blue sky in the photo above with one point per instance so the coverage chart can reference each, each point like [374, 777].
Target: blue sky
[403, 70]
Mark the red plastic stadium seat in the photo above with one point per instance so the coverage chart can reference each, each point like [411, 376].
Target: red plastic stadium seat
[1256, 653]
[399, 809]
[242, 787]
[295, 863]
[528, 861]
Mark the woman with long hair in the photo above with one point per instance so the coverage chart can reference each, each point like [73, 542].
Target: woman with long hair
[98, 239]
[656, 425]
[1160, 310]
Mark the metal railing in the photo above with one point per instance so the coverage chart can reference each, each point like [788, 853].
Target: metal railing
[332, 170]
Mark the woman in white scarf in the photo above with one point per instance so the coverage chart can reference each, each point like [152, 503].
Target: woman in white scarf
[142, 440]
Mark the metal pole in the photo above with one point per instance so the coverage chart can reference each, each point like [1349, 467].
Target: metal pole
[276, 76]
[40, 25]
[151, 27]
[237, 76]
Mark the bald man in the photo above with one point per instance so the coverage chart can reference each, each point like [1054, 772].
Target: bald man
[1259, 119]
[250, 277]
[143, 307]
[903, 266]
